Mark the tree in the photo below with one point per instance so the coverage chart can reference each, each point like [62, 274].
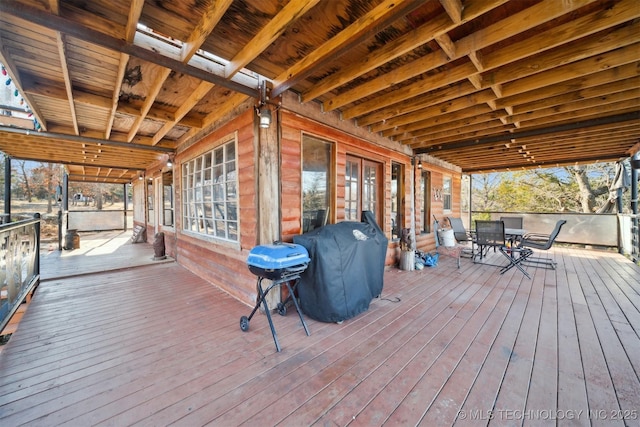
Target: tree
[580, 188]
[587, 193]
[24, 184]
[483, 193]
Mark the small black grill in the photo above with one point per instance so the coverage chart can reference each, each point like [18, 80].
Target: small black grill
[280, 263]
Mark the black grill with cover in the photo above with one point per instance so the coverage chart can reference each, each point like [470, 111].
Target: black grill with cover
[346, 270]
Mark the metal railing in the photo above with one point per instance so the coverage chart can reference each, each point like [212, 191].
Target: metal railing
[19, 264]
[629, 230]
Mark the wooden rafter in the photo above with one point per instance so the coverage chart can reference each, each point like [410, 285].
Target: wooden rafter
[5, 58]
[214, 11]
[417, 75]
[130, 31]
[379, 17]
[536, 15]
[291, 12]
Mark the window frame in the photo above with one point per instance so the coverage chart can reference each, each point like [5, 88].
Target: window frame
[363, 166]
[207, 207]
[425, 193]
[151, 218]
[447, 194]
[311, 220]
[170, 209]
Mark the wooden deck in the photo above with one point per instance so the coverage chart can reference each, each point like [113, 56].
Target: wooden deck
[156, 345]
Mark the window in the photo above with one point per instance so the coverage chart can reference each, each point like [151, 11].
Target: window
[362, 188]
[210, 193]
[151, 219]
[316, 182]
[446, 193]
[167, 199]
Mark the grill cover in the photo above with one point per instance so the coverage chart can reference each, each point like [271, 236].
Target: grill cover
[277, 260]
[346, 269]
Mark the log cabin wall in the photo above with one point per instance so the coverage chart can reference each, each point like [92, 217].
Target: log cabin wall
[220, 262]
[147, 189]
[437, 171]
[294, 126]
[223, 263]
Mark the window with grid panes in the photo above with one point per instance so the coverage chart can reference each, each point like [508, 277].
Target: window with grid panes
[210, 193]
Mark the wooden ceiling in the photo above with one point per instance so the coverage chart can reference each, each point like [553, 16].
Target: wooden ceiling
[116, 85]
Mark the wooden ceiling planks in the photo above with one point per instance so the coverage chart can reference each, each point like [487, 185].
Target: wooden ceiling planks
[457, 79]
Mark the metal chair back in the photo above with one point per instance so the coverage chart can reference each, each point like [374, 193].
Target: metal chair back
[540, 241]
[459, 232]
[512, 221]
[490, 233]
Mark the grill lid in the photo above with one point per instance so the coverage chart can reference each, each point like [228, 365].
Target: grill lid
[278, 256]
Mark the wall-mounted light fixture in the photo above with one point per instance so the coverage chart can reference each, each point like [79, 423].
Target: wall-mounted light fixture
[418, 164]
[262, 110]
[265, 117]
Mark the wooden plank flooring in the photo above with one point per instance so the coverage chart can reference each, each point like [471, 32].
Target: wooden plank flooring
[98, 251]
[156, 345]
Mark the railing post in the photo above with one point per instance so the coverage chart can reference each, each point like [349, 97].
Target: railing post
[635, 228]
[60, 230]
[7, 190]
[36, 266]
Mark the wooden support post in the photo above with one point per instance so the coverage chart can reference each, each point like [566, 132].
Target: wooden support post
[268, 186]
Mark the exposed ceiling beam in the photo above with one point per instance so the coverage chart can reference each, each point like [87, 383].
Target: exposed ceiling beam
[378, 18]
[529, 165]
[213, 13]
[84, 139]
[533, 132]
[54, 7]
[72, 28]
[535, 15]
[391, 50]
[5, 58]
[130, 31]
[268, 34]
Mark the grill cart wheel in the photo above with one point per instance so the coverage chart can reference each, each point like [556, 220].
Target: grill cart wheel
[282, 309]
[244, 323]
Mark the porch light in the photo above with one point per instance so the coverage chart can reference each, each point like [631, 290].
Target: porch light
[265, 117]
[262, 110]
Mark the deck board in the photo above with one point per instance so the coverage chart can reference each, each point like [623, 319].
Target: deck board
[156, 345]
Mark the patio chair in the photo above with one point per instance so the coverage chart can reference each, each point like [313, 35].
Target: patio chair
[490, 234]
[512, 221]
[461, 234]
[516, 222]
[542, 242]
